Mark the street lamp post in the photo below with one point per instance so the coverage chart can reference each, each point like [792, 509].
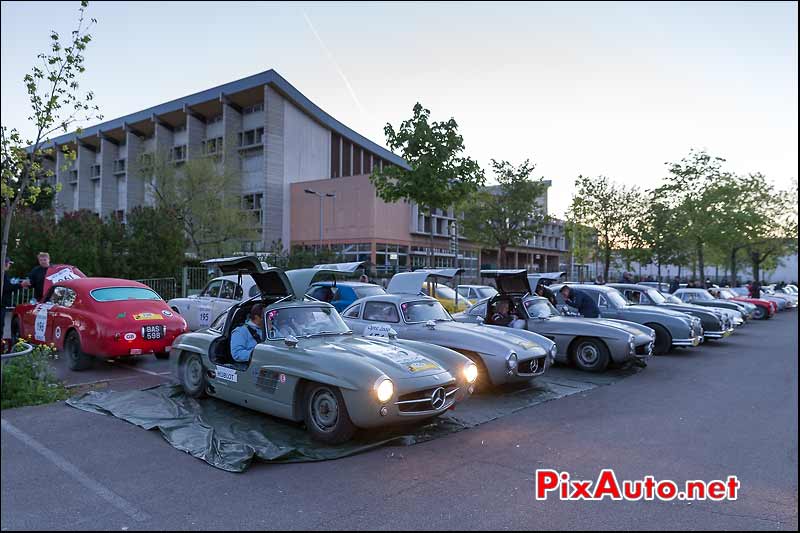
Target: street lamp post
[322, 197]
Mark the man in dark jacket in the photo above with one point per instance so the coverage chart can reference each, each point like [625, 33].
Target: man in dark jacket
[9, 288]
[581, 301]
[675, 285]
[544, 292]
[37, 275]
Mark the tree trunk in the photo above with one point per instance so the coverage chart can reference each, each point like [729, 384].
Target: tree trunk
[607, 263]
[701, 265]
[733, 267]
[501, 254]
[430, 244]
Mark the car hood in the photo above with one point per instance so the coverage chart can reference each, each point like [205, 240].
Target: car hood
[657, 311]
[620, 325]
[696, 308]
[484, 339]
[397, 362]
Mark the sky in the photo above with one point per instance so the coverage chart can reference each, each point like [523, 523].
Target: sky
[614, 89]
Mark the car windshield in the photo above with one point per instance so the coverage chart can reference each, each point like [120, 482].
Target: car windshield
[616, 298]
[119, 294]
[423, 311]
[672, 299]
[540, 309]
[702, 295]
[725, 293]
[304, 322]
[656, 296]
[485, 292]
[368, 290]
[443, 291]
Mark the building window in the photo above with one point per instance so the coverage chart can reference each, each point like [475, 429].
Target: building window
[118, 166]
[358, 152]
[212, 146]
[347, 156]
[253, 109]
[250, 138]
[177, 153]
[146, 161]
[252, 204]
[214, 120]
[336, 147]
[94, 171]
[179, 129]
[367, 162]
[73, 175]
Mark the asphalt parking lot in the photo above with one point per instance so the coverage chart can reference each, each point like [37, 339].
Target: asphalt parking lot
[726, 408]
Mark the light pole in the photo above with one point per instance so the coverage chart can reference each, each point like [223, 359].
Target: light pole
[322, 197]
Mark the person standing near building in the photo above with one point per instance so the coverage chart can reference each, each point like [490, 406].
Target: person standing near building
[675, 285]
[37, 275]
[9, 288]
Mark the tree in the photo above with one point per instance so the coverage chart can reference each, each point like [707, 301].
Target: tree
[151, 251]
[662, 233]
[582, 246]
[440, 175]
[603, 206]
[692, 189]
[56, 104]
[204, 198]
[508, 214]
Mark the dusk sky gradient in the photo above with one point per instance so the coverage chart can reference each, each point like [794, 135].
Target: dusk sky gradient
[580, 88]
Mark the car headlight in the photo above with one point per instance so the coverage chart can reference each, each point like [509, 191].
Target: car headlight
[553, 352]
[384, 390]
[470, 372]
[511, 362]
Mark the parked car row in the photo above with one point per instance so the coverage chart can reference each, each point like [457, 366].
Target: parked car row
[392, 356]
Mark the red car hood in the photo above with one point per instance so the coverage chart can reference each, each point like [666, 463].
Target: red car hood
[758, 301]
[58, 273]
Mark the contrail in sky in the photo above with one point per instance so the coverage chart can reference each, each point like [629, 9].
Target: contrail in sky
[335, 64]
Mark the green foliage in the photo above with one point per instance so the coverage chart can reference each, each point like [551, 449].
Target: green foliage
[508, 214]
[203, 197]
[154, 247]
[55, 104]
[607, 209]
[300, 257]
[29, 379]
[440, 176]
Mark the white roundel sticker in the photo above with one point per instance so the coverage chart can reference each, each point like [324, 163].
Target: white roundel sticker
[58, 332]
[130, 336]
[165, 312]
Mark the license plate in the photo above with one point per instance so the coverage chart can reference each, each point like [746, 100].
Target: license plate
[152, 333]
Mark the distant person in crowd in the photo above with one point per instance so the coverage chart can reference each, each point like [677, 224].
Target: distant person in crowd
[581, 301]
[708, 282]
[545, 292]
[724, 283]
[9, 288]
[245, 337]
[364, 278]
[599, 280]
[626, 278]
[675, 284]
[37, 275]
[385, 283]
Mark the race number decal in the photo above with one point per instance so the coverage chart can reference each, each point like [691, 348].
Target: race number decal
[63, 275]
[228, 374]
[40, 325]
[377, 330]
[204, 316]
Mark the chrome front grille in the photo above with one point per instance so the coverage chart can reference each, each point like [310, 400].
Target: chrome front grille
[531, 367]
[428, 400]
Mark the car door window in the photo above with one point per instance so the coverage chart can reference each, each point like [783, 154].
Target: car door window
[228, 290]
[478, 310]
[463, 291]
[56, 296]
[381, 312]
[602, 301]
[353, 311]
[254, 291]
[212, 289]
[68, 297]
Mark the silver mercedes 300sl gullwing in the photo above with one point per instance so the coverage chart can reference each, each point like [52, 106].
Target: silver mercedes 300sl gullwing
[502, 354]
[311, 368]
[589, 344]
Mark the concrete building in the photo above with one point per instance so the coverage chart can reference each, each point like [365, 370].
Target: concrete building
[282, 144]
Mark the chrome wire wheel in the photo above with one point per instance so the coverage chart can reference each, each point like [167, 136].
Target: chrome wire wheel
[588, 354]
[324, 410]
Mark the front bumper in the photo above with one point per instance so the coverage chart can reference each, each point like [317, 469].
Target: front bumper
[693, 341]
[643, 352]
[529, 368]
[718, 334]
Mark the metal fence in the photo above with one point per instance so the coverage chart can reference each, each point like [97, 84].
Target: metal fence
[22, 296]
[167, 288]
[194, 279]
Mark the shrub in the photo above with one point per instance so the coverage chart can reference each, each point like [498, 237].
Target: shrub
[29, 379]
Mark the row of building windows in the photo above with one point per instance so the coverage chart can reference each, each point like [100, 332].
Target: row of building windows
[350, 159]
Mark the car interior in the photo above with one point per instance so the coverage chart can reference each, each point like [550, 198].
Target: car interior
[220, 349]
[514, 307]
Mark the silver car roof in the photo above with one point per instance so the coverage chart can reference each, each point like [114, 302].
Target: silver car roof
[412, 282]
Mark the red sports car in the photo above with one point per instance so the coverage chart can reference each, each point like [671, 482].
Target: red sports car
[766, 309]
[97, 317]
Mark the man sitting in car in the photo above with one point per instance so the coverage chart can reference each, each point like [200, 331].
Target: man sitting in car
[581, 301]
[503, 316]
[246, 336]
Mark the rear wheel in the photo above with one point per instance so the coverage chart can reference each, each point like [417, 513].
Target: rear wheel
[590, 355]
[663, 341]
[760, 313]
[193, 376]
[76, 359]
[326, 414]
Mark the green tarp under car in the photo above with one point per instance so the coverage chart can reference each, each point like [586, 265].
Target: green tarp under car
[229, 437]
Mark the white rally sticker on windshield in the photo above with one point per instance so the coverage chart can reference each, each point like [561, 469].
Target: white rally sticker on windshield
[377, 330]
[228, 374]
[40, 325]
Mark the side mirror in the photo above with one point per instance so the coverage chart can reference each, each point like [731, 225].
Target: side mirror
[291, 341]
[392, 334]
[480, 320]
[430, 324]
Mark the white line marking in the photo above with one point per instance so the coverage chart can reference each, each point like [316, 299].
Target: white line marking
[104, 492]
[142, 370]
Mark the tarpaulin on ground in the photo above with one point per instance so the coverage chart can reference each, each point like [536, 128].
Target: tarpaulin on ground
[230, 437]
